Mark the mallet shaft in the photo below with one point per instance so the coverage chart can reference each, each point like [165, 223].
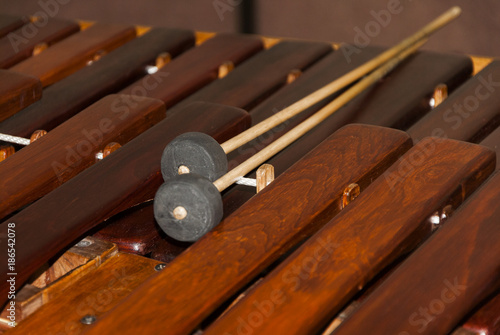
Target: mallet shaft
[272, 149]
[339, 83]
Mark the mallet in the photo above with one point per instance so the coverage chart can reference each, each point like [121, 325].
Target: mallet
[201, 154]
[189, 203]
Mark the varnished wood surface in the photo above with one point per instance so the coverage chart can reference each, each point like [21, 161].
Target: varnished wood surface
[134, 230]
[469, 113]
[17, 91]
[112, 72]
[461, 260]
[94, 294]
[9, 23]
[74, 264]
[129, 176]
[74, 52]
[196, 68]
[486, 320]
[70, 267]
[241, 246]
[72, 147]
[16, 47]
[388, 218]
[267, 72]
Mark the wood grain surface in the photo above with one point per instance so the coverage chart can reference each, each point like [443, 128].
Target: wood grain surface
[267, 71]
[386, 220]
[70, 267]
[93, 294]
[74, 52]
[126, 178]
[297, 203]
[125, 64]
[444, 279]
[19, 44]
[70, 148]
[196, 68]
[17, 91]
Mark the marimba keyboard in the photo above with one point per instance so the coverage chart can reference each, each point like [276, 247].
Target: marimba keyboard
[297, 257]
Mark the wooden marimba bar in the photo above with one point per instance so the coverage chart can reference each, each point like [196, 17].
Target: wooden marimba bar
[381, 220]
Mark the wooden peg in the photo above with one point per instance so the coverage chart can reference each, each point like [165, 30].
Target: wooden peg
[163, 59]
[39, 48]
[96, 57]
[351, 192]
[293, 75]
[6, 151]
[440, 94]
[265, 175]
[37, 134]
[111, 147]
[225, 68]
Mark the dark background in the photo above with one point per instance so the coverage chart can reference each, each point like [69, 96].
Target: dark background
[476, 32]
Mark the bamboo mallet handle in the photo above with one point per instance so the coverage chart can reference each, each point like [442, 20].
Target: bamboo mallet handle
[272, 149]
[338, 84]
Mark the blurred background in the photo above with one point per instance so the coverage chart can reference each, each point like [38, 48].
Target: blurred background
[476, 32]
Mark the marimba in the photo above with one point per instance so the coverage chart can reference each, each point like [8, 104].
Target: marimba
[371, 226]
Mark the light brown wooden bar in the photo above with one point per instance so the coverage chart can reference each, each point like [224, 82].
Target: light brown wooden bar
[78, 261]
[276, 62]
[21, 43]
[72, 147]
[91, 295]
[442, 281]
[70, 55]
[228, 257]
[389, 218]
[17, 91]
[128, 177]
[179, 78]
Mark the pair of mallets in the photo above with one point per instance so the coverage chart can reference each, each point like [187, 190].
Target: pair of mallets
[194, 166]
